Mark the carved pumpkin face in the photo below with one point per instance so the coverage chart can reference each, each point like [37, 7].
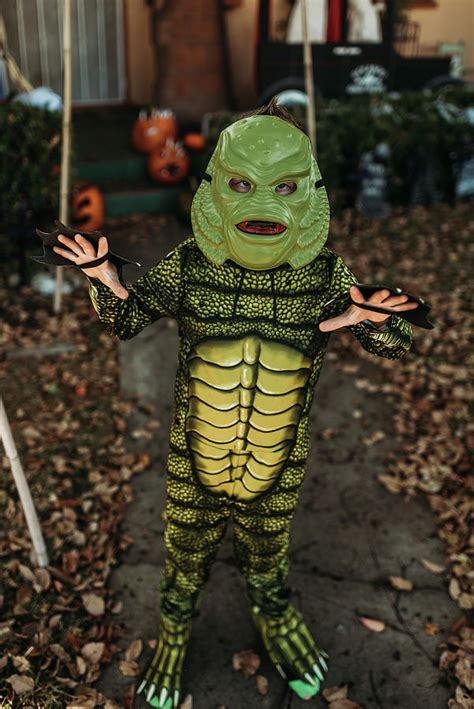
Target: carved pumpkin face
[151, 131]
[168, 164]
[88, 207]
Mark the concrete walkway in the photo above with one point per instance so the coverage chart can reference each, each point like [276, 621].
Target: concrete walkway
[349, 535]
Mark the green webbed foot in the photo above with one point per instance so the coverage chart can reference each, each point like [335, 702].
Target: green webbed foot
[292, 650]
[161, 685]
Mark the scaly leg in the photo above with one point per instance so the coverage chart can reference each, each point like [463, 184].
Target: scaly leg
[261, 539]
[193, 534]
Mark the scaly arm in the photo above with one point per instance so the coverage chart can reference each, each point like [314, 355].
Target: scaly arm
[125, 311]
[386, 336]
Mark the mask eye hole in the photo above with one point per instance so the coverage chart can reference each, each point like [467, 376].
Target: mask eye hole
[285, 188]
[239, 185]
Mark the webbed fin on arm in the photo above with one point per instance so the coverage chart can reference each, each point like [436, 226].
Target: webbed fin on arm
[418, 316]
[50, 239]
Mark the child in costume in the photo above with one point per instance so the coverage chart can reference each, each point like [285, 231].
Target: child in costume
[256, 293]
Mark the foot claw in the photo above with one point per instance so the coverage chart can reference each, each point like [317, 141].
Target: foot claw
[281, 671]
[141, 687]
[318, 672]
[150, 693]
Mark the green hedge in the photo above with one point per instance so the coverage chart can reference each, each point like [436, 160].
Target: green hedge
[414, 125]
[30, 148]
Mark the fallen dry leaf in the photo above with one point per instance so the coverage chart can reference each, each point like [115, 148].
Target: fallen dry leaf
[332, 693]
[134, 650]
[262, 684]
[128, 668]
[431, 629]
[400, 583]
[431, 566]
[93, 604]
[21, 683]
[344, 704]
[188, 702]
[92, 652]
[372, 624]
[246, 662]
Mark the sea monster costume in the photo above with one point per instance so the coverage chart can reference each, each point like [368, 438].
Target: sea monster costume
[248, 290]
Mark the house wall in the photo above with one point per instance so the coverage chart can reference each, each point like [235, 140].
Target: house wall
[140, 52]
[447, 21]
[185, 68]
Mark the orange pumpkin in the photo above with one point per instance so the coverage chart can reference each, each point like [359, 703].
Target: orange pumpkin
[194, 141]
[88, 209]
[152, 130]
[168, 164]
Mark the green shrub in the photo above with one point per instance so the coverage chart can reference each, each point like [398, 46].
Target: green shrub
[30, 150]
[415, 125]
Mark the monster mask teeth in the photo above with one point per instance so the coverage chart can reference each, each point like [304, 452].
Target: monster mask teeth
[260, 226]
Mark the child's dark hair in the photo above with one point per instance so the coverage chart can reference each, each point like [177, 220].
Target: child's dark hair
[273, 108]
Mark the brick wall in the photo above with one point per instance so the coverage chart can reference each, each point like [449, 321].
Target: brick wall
[191, 77]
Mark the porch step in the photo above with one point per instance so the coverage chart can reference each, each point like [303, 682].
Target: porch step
[162, 200]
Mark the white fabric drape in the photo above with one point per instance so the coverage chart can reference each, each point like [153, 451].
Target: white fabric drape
[317, 22]
[364, 21]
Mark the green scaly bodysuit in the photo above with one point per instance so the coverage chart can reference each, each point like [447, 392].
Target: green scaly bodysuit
[248, 300]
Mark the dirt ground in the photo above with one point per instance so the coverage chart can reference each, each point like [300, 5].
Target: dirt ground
[349, 535]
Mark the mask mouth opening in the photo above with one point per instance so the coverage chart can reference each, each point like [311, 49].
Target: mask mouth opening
[258, 226]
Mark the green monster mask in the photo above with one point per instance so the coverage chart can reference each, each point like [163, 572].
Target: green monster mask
[263, 202]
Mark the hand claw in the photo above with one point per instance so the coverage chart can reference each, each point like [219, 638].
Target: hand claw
[323, 662]
[309, 679]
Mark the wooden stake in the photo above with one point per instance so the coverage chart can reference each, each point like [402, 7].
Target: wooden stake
[23, 489]
[308, 77]
[66, 142]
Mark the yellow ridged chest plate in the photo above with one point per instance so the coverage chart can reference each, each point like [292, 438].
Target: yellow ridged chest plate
[246, 396]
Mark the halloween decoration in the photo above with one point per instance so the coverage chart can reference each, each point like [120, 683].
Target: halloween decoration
[152, 130]
[256, 292]
[88, 206]
[194, 141]
[168, 164]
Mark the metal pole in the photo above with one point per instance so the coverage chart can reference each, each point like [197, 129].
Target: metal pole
[308, 77]
[66, 141]
[23, 489]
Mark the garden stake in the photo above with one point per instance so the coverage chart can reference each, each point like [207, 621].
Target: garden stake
[308, 77]
[23, 489]
[66, 141]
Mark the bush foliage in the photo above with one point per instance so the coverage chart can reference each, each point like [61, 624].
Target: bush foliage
[30, 149]
[416, 127]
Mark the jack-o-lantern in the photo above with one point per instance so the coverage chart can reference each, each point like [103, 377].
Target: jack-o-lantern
[151, 131]
[168, 164]
[88, 209]
[194, 141]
